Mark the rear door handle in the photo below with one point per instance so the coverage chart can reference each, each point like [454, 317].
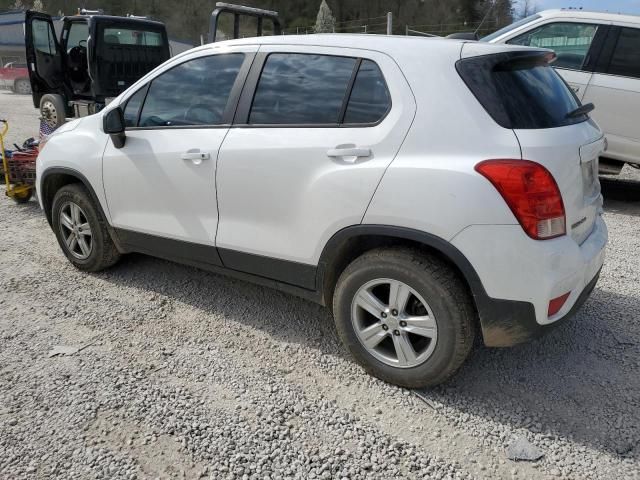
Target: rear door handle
[349, 155]
[196, 156]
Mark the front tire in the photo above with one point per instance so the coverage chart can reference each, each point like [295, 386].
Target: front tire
[405, 316]
[53, 109]
[81, 230]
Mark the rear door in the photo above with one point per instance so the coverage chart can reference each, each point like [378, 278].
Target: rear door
[306, 152]
[44, 56]
[615, 90]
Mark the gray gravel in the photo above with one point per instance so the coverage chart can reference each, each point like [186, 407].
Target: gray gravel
[187, 374]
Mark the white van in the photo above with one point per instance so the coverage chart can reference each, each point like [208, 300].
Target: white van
[599, 56]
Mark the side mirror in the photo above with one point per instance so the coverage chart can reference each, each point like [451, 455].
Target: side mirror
[114, 126]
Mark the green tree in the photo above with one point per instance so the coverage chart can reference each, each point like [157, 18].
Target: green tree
[325, 21]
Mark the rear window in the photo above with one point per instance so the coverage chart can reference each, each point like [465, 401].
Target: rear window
[520, 91]
[127, 36]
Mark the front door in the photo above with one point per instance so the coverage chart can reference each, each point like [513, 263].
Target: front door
[160, 186]
[306, 153]
[44, 56]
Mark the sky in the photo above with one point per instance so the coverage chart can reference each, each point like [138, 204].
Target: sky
[617, 6]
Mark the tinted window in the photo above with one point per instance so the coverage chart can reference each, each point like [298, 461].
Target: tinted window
[301, 89]
[570, 41]
[193, 93]
[520, 93]
[126, 36]
[133, 107]
[626, 56]
[44, 39]
[370, 99]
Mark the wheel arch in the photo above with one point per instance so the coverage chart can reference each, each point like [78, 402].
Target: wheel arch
[54, 178]
[499, 319]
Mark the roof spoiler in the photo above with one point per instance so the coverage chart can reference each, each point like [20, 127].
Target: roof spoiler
[524, 59]
[241, 11]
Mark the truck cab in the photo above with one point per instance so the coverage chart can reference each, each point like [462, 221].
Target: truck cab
[95, 58]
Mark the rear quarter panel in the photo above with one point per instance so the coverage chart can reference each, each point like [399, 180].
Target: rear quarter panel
[432, 186]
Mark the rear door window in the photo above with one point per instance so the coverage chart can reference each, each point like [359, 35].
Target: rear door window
[127, 36]
[625, 60]
[370, 99]
[193, 93]
[297, 88]
[571, 41]
[520, 91]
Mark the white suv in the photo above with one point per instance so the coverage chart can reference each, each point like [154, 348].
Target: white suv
[599, 56]
[422, 189]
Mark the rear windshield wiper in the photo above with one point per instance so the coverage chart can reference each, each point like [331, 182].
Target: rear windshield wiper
[581, 110]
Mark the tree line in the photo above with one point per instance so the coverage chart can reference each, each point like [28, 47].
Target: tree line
[188, 19]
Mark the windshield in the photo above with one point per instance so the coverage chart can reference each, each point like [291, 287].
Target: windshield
[508, 28]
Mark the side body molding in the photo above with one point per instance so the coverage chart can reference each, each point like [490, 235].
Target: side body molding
[503, 322]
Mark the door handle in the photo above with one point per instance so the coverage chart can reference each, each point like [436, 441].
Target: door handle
[349, 155]
[196, 157]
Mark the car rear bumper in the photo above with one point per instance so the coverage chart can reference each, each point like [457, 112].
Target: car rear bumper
[520, 276]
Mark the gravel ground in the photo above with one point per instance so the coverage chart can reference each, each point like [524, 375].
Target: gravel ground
[188, 374]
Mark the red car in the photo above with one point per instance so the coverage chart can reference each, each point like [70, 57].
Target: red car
[15, 76]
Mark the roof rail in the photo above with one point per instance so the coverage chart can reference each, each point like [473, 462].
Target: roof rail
[239, 11]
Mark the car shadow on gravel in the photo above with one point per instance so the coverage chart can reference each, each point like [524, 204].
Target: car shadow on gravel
[579, 382]
[621, 195]
[284, 317]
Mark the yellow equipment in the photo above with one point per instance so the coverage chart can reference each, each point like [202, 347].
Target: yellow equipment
[19, 169]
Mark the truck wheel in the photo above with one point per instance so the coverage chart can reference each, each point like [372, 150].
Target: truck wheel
[53, 110]
[81, 230]
[405, 316]
[22, 87]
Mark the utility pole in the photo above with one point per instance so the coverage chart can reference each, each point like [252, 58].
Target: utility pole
[389, 23]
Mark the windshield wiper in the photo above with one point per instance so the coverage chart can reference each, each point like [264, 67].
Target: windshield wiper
[581, 110]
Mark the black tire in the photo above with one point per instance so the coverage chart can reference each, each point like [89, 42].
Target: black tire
[443, 291]
[103, 252]
[22, 87]
[53, 109]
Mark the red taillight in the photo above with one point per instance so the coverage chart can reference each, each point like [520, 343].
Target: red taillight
[557, 303]
[531, 193]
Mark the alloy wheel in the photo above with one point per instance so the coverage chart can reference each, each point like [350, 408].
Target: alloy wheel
[394, 323]
[76, 231]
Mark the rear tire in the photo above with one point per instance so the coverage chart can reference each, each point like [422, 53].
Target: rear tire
[22, 87]
[81, 230]
[53, 109]
[434, 315]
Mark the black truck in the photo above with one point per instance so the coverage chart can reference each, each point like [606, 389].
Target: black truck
[96, 58]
